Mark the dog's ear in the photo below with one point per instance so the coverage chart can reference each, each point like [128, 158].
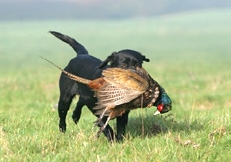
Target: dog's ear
[145, 59]
[108, 59]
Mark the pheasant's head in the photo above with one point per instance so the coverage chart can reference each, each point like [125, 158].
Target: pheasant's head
[164, 104]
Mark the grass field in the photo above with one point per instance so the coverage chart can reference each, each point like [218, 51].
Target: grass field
[190, 57]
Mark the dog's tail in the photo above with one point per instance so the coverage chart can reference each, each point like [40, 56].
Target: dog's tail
[79, 48]
[71, 76]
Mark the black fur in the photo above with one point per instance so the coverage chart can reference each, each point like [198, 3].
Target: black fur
[89, 67]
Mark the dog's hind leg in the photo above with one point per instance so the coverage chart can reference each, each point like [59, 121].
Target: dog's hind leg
[63, 108]
[78, 110]
[68, 90]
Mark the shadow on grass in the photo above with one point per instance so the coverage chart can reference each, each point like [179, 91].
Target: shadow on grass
[153, 125]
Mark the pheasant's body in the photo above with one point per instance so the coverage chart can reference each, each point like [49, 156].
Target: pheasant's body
[120, 90]
[137, 91]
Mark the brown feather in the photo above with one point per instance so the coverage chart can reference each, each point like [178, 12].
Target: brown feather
[123, 78]
[97, 84]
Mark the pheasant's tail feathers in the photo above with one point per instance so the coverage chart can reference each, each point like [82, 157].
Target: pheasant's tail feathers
[76, 78]
[71, 76]
[124, 78]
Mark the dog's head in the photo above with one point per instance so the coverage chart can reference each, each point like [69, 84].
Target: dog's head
[124, 59]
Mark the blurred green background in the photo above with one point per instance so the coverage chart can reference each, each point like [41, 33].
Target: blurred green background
[187, 42]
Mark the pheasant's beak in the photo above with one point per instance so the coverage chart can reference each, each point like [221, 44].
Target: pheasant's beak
[157, 112]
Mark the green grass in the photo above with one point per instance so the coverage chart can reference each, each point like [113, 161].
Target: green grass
[190, 57]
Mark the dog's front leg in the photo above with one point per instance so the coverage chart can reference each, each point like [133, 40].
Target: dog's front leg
[121, 123]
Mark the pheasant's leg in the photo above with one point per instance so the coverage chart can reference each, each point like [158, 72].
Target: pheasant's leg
[103, 127]
[101, 117]
[109, 107]
[108, 119]
[108, 132]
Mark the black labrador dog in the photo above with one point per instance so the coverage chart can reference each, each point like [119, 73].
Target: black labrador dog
[89, 67]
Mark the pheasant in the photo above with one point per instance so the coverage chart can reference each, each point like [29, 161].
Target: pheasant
[120, 90]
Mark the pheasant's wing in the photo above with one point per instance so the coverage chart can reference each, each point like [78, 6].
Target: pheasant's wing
[122, 86]
[111, 96]
[125, 79]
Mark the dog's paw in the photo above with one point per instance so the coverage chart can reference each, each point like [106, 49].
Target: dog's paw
[99, 132]
[97, 122]
[75, 120]
[62, 128]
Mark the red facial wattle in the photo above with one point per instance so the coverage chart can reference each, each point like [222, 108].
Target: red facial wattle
[160, 107]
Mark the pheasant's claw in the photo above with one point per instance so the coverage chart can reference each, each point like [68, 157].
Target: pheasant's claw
[97, 122]
[99, 132]
[103, 127]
